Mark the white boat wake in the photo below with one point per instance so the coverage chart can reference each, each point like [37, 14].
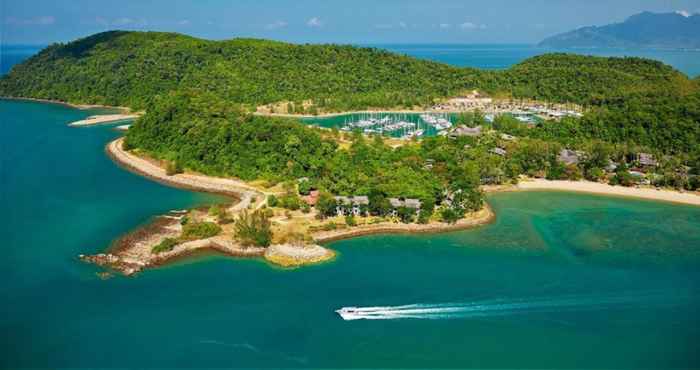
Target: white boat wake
[505, 307]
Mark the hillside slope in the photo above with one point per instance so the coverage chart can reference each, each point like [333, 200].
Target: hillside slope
[129, 68]
[630, 99]
[644, 30]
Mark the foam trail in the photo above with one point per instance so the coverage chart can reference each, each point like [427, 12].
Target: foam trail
[505, 307]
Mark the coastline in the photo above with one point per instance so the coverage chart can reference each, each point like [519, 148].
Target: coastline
[336, 114]
[136, 252]
[589, 187]
[71, 105]
[475, 219]
[187, 181]
[104, 119]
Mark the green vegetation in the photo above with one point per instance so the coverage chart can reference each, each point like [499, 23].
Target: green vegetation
[254, 229]
[173, 168]
[197, 95]
[221, 214]
[631, 100]
[165, 246]
[199, 230]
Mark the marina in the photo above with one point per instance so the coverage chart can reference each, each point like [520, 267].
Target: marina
[397, 125]
[406, 125]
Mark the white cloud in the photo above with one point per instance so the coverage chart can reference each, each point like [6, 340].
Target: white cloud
[314, 22]
[472, 26]
[122, 21]
[184, 22]
[388, 26]
[276, 25]
[44, 20]
[684, 13]
[125, 21]
[445, 26]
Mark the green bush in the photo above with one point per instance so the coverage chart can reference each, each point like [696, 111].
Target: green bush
[272, 201]
[254, 229]
[350, 220]
[199, 230]
[173, 168]
[305, 187]
[165, 246]
[451, 215]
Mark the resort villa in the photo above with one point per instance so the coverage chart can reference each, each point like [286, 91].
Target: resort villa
[355, 205]
[465, 131]
[397, 203]
[569, 157]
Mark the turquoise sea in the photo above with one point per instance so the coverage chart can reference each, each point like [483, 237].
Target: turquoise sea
[559, 280]
[500, 56]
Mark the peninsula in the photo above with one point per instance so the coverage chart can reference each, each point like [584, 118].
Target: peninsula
[619, 122]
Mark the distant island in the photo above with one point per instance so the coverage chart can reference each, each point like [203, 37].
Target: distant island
[223, 116]
[644, 30]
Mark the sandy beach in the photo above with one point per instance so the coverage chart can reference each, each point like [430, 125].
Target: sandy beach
[605, 189]
[104, 119]
[225, 186]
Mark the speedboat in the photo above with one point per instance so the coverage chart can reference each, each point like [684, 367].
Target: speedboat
[349, 313]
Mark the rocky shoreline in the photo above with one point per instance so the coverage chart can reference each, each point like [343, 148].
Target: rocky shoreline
[134, 252]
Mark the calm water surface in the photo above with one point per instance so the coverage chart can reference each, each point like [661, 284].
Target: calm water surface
[558, 281]
[499, 56]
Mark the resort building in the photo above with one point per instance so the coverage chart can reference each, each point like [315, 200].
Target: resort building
[646, 160]
[355, 205]
[312, 198]
[499, 151]
[397, 203]
[466, 131]
[569, 157]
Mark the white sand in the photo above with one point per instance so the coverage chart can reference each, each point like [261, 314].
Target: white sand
[199, 182]
[598, 188]
[102, 119]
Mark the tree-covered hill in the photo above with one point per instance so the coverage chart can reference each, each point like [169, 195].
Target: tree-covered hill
[643, 30]
[630, 100]
[130, 68]
[594, 80]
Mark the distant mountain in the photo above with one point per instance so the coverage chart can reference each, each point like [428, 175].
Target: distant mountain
[644, 30]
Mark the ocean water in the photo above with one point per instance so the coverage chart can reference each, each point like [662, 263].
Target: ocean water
[559, 280]
[500, 56]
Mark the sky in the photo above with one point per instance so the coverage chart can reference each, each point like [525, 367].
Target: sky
[41, 22]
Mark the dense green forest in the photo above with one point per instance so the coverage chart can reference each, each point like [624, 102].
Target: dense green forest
[629, 100]
[197, 95]
[200, 131]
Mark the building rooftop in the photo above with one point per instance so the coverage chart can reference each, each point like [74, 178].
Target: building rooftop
[413, 203]
[568, 157]
[466, 131]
